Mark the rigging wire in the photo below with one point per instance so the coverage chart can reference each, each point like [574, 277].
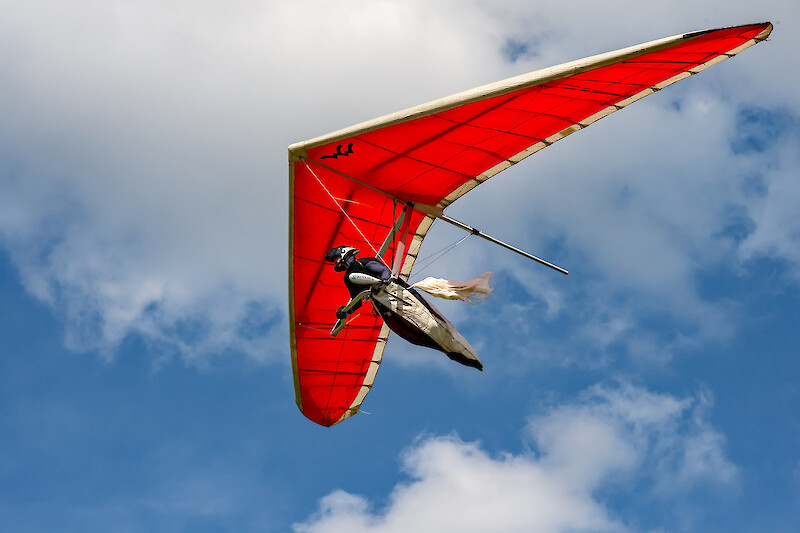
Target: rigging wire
[367, 241]
[431, 259]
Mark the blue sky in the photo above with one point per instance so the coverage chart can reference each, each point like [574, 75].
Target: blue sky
[145, 381]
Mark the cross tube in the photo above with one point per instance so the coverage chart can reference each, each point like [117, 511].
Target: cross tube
[479, 233]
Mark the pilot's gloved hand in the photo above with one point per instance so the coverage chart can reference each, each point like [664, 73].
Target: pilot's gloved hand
[377, 287]
[340, 313]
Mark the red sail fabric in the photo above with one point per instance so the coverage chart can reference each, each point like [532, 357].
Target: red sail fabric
[348, 188]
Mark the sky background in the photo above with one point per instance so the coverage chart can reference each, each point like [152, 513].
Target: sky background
[145, 376]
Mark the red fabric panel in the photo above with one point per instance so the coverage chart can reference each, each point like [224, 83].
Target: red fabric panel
[424, 160]
[331, 370]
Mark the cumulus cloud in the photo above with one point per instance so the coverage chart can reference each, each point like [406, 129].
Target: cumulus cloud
[143, 184]
[143, 167]
[612, 437]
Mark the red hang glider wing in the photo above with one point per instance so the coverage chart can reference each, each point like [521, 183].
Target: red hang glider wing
[348, 187]
[333, 374]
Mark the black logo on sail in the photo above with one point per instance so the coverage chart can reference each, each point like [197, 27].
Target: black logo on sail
[338, 152]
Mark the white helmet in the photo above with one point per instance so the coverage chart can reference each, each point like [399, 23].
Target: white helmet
[338, 255]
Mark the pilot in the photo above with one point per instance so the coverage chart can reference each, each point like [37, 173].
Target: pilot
[344, 260]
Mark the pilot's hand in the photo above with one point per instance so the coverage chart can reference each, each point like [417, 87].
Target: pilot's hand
[340, 313]
[377, 287]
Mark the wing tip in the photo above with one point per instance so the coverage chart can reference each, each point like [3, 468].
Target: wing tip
[329, 417]
[766, 30]
[768, 27]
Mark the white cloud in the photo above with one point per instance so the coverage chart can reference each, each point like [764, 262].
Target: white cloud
[142, 153]
[777, 222]
[143, 183]
[612, 437]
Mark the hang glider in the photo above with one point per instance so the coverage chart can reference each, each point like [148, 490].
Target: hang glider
[380, 185]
